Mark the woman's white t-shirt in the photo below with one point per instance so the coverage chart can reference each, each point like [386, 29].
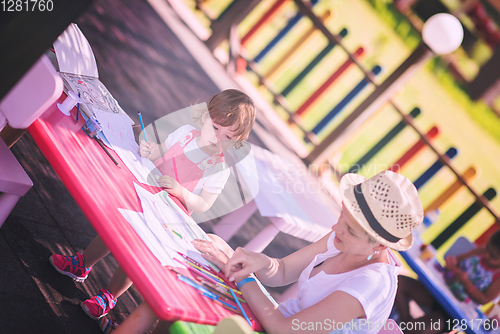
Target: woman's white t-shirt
[374, 286]
[214, 183]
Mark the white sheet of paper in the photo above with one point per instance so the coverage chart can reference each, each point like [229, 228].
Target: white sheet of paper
[163, 219]
[119, 133]
[164, 254]
[74, 53]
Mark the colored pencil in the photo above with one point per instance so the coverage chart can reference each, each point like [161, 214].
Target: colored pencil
[204, 291]
[199, 273]
[221, 151]
[209, 268]
[211, 296]
[142, 126]
[198, 264]
[219, 274]
[219, 288]
[107, 152]
[175, 170]
[204, 273]
[77, 109]
[241, 308]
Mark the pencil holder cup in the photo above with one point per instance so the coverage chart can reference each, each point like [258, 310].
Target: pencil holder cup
[92, 127]
[69, 103]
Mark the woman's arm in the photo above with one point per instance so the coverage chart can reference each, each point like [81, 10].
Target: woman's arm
[270, 271]
[337, 308]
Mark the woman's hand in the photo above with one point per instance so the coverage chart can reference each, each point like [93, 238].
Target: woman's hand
[170, 184]
[148, 150]
[245, 262]
[211, 252]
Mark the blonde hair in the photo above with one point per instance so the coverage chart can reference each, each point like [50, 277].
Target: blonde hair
[232, 107]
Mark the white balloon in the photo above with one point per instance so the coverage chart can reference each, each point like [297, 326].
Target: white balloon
[443, 33]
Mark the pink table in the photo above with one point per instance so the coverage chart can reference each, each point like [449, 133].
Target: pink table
[99, 187]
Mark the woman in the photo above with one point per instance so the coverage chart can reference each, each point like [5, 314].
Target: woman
[348, 279]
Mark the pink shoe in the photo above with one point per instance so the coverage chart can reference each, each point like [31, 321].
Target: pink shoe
[99, 305]
[71, 266]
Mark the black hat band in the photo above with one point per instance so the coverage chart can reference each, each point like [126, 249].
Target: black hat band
[374, 224]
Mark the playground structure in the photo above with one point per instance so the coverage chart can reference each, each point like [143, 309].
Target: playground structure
[324, 135]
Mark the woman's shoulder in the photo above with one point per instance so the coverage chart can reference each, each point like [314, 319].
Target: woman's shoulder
[381, 270]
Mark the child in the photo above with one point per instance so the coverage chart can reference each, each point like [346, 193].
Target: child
[193, 171]
[477, 274]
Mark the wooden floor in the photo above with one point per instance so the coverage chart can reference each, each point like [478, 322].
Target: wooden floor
[145, 67]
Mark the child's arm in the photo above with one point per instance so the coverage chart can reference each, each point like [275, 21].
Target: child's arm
[151, 151]
[192, 202]
[196, 203]
[476, 295]
[453, 261]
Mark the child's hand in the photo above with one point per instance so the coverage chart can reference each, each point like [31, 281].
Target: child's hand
[458, 275]
[170, 184]
[462, 277]
[451, 262]
[211, 252]
[148, 150]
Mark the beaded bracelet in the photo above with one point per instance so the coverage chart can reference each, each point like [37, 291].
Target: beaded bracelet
[244, 281]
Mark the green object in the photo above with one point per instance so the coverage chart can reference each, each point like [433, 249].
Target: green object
[180, 236]
[458, 290]
[181, 327]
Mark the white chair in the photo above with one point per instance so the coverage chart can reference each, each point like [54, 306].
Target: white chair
[14, 182]
[37, 90]
[461, 245]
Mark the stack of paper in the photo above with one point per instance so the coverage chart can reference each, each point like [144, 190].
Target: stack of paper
[120, 137]
[78, 70]
[164, 228]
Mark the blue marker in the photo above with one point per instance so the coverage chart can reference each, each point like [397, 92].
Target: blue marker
[195, 285]
[142, 126]
[217, 299]
[207, 293]
[241, 308]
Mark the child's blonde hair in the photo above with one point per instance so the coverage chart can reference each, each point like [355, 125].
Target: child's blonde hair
[231, 107]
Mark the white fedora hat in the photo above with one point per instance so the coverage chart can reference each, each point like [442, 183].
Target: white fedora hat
[387, 206]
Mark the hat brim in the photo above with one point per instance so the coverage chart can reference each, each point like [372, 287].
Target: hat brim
[347, 183]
